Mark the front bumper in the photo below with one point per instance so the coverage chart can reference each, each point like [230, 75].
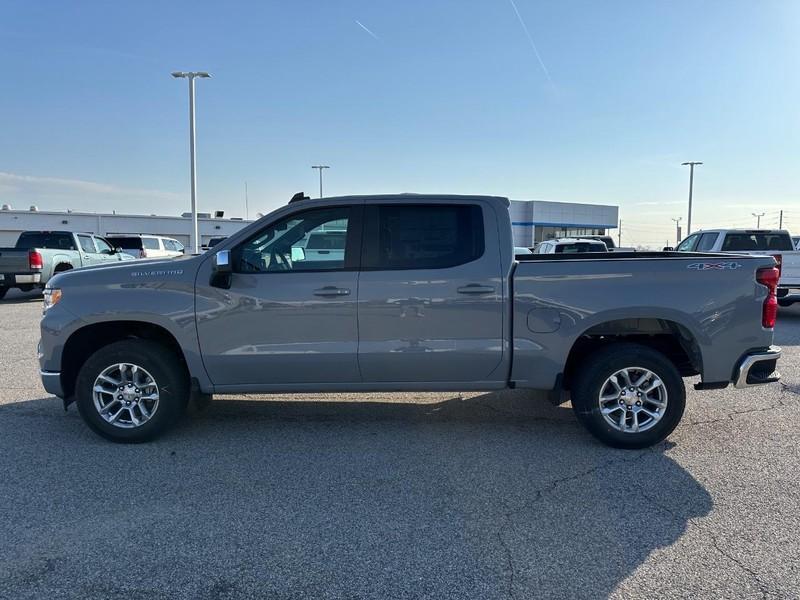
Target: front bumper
[51, 380]
[756, 368]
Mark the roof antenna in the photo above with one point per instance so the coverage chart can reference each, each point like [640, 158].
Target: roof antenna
[299, 196]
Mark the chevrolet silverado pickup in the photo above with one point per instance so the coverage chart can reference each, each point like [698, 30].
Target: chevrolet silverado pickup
[38, 255]
[774, 242]
[426, 294]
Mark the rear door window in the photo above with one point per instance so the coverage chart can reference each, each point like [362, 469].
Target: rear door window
[757, 242]
[707, 241]
[422, 236]
[150, 243]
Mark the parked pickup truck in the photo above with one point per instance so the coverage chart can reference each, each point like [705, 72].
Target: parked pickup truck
[38, 255]
[774, 242]
[427, 295]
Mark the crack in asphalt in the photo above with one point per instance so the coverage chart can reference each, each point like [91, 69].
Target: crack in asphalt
[730, 416]
[539, 494]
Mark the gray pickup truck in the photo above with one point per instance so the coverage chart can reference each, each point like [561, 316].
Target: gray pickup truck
[38, 255]
[427, 295]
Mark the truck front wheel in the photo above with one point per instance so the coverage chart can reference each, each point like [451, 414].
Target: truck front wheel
[628, 396]
[132, 390]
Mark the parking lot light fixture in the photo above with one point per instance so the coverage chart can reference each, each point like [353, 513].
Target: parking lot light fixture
[320, 167]
[691, 164]
[191, 76]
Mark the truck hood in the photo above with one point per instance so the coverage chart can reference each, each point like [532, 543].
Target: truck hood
[128, 271]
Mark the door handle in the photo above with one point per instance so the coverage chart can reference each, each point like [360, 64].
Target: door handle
[475, 288]
[330, 290]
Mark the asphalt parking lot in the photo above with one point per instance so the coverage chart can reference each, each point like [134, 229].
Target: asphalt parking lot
[396, 496]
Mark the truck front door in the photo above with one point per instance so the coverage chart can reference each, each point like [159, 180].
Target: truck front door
[431, 298]
[289, 316]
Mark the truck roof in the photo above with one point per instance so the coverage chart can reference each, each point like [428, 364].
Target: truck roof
[415, 197]
[742, 230]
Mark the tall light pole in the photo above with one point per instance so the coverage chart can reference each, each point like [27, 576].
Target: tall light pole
[758, 219]
[677, 230]
[320, 167]
[691, 164]
[191, 76]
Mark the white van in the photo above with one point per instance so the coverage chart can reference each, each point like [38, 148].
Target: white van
[148, 246]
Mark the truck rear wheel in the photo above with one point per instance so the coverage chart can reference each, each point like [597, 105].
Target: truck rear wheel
[132, 390]
[629, 396]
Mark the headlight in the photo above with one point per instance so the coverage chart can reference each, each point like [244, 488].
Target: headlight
[52, 296]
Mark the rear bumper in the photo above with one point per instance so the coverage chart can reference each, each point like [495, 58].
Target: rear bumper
[756, 368]
[51, 380]
[13, 279]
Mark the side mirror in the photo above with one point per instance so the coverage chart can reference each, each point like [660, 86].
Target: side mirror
[222, 271]
[117, 250]
[668, 249]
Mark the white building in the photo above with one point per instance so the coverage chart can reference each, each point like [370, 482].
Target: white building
[532, 221]
[14, 222]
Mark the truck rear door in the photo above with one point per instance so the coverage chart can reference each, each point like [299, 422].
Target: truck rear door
[431, 300]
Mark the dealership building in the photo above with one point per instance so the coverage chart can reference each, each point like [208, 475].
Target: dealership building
[532, 221]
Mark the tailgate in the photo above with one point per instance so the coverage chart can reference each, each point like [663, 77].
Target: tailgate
[13, 260]
[790, 269]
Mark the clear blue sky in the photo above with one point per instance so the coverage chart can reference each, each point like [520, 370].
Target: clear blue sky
[438, 96]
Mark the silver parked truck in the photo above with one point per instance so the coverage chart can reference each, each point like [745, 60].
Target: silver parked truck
[427, 294]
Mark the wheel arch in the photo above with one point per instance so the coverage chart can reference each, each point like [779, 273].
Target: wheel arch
[669, 337]
[83, 342]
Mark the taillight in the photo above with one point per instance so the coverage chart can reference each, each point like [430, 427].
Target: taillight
[779, 259]
[769, 277]
[35, 260]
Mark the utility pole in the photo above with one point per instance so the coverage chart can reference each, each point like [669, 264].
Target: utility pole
[758, 219]
[619, 234]
[320, 167]
[691, 164]
[780, 221]
[191, 76]
[677, 230]
[246, 207]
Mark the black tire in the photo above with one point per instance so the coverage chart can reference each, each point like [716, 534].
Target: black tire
[167, 370]
[785, 303]
[593, 374]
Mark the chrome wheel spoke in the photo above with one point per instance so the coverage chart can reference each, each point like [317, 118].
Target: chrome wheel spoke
[110, 380]
[639, 399]
[132, 401]
[645, 376]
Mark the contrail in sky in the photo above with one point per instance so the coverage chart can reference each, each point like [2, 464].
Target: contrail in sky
[530, 39]
[365, 28]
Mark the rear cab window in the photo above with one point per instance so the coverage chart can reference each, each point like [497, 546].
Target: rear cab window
[421, 236]
[44, 239]
[757, 241]
[581, 247]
